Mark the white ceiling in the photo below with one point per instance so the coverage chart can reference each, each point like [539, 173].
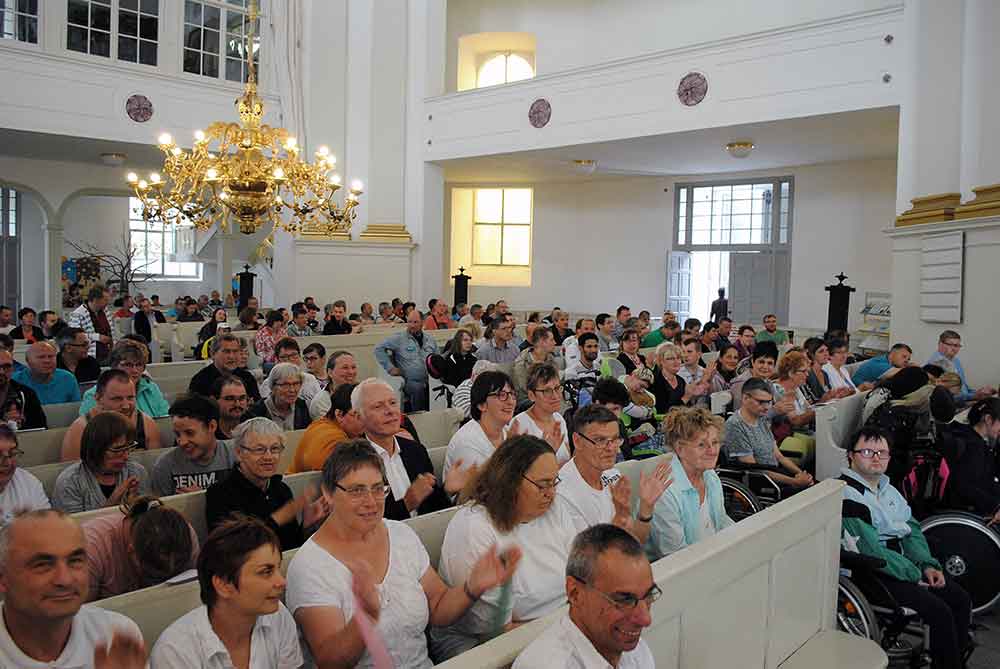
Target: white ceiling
[43, 146]
[859, 135]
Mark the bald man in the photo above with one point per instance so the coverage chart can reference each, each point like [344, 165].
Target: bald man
[52, 385]
[44, 582]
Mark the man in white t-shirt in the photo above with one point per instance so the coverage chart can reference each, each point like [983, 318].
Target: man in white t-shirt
[19, 489]
[239, 569]
[610, 589]
[585, 366]
[593, 489]
[44, 580]
[571, 344]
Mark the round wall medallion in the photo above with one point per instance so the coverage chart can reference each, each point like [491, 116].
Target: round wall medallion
[139, 108]
[539, 113]
[692, 89]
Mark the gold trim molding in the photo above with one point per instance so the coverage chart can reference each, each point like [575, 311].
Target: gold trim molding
[985, 203]
[395, 233]
[930, 209]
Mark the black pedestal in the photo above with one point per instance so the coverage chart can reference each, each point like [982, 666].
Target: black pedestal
[246, 287]
[840, 304]
[461, 286]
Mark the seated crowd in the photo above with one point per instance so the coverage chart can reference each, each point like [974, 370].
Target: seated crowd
[544, 517]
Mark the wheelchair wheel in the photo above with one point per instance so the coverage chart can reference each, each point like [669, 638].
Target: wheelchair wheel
[738, 500]
[969, 552]
[854, 614]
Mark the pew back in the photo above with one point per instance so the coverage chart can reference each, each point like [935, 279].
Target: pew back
[835, 423]
[44, 446]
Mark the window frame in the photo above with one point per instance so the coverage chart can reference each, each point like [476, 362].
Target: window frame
[165, 229]
[224, 7]
[483, 58]
[502, 224]
[686, 244]
[113, 53]
[38, 26]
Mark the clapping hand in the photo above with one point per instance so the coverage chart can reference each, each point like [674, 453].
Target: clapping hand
[621, 497]
[124, 651]
[458, 478]
[553, 436]
[316, 510]
[123, 491]
[363, 585]
[934, 577]
[492, 569]
[652, 487]
[419, 490]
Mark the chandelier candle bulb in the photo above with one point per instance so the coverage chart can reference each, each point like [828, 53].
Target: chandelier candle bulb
[176, 151]
[132, 177]
[279, 173]
[154, 177]
[322, 151]
[335, 179]
[143, 185]
[211, 174]
[356, 186]
[165, 139]
[199, 135]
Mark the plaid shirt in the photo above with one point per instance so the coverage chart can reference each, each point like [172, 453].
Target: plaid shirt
[80, 318]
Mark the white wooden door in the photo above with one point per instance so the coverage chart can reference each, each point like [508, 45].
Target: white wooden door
[679, 284]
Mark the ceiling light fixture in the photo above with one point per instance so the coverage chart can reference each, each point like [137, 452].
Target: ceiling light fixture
[585, 166]
[740, 149]
[114, 159]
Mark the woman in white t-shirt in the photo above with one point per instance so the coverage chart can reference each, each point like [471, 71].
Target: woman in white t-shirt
[543, 419]
[359, 559]
[836, 369]
[693, 507]
[514, 503]
[492, 405]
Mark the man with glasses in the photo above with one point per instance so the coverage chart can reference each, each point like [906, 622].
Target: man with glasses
[610, 588]
[20, 490]
[747, 436]
[73, 345]
[878, 522]
[226, 358]
[946, 357]
[18, 403]
[255, 487]
[287, 351]
[284, 405]
[199, 459]
[593, 489]
[52, 385]
[499, 348]
[231, 396]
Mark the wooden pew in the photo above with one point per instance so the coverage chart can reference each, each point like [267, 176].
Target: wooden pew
[44, 446]
[62, 414]
[835, 422]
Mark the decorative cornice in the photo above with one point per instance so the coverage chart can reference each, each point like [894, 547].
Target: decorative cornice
[919, 230]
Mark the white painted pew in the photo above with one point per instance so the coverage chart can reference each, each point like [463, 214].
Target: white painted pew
[756, 595]
[435, 428]
[835, 423]
[44, 446]
[62, 414]
[169, 370]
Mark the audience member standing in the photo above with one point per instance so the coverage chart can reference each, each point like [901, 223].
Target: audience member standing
[92, 318]
[404, 354]
[719, 308]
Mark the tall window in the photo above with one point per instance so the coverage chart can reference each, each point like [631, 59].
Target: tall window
[215, 35]
[501, 230]
[19, 20]
[504, 68]
[124, 29]
[10, 253]
[155, 244]
[743, 213]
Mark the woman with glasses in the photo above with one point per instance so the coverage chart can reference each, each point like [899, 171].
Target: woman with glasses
[315, 357]
[668, 387]
[130, 357]
[283, 405]
[255, 487]
[794, 430]
[514, 502]
[104, 476]
[836, 369]
[692, 508]
[543, 419]
[19, 488]
[629, 355]
[143, 545]
[324, 434]
[360, 571]
[491, 404]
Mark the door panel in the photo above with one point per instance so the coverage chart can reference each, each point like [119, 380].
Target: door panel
[751, 288]
[679, 284]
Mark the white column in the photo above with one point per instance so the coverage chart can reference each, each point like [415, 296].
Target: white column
[224, 260]
[52, 232]
[360, 41]
[930, 136]
[980, 160]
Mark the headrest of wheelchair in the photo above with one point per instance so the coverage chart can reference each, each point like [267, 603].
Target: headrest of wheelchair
[436, 365]
[906, 381]
[942, 405]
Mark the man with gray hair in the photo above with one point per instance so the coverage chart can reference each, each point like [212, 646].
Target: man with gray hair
[610, 588]
[225, 351]
[255, 487]
[404, 354]
[44, 583]
[283, 405]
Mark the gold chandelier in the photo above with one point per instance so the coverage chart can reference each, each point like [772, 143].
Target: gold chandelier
[253, 175]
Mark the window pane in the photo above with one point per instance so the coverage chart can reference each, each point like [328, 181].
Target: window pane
[128, 49]
[128, 4]
[517, 205]
[210, 66]
[147, 53]
[150, 6]
[492, 72]
[486, 244]
[76, 39]
[211, 44]
[128, 23]
[742, 192]
[234, 70]
[77, 12]
[192, 12]
[100, 17]
[100, 43]
[27, 29]
[701, 208]
[148, 27]
[740, 236]
[741, 206]
[518, 68]
[516, 245]
[700, 237]
[192, 61]
[212, 18]
[489, 205]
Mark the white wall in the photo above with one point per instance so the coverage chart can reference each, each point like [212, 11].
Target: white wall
[577, 33]
[597, 244]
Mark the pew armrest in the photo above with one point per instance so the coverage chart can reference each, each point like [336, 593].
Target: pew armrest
[832, 649]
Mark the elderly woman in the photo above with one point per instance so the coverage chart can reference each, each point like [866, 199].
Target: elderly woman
[668, 387]
[514, 502]
[836, 370]
[283, 405]
[795, 427]
[693, 507]
[359, 567]
[543, 419]
[492, 406]
[268, 336]
[104, 476]
[629, 354]
[339, 424]
[130, 357]
[147, 543]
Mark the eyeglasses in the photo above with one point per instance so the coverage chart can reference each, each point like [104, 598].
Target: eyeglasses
[804, 370]
[611, 442]
[953, 344]
[881, 454]
[235, 398]
[11, 455]
[127, 448]
[624, 601]
[260, 451]
[767, 402]
[359, 492]
[543, 485]
[554, 391]
[132, 365]
[288, 384]
[6, 368]
[502, 395]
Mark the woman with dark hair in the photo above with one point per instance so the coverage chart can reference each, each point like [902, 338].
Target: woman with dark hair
[104, 476]
[514, 502]
[629, 355]
[459, 358]
[248, 320]
[360, 567]
[970, 449]
[191, 313]
[207, 330]
[27, 330]
[491, 404]
[146, 544]
[543, 419]
[268, 336]
[725, 368]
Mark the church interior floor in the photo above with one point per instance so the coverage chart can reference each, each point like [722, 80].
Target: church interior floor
[987, 656]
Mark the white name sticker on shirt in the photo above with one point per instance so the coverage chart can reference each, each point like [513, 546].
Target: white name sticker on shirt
[610, 477]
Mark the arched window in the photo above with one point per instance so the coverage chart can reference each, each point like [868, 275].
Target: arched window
[504, 68]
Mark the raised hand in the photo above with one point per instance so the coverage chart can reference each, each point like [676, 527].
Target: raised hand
[513, 429]
[316, 510]
[419, 490]
[621, 497]
[124, 651]
[458, 478]
[363, 585]
[554, 436]
[652, 487]
[492, 569]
